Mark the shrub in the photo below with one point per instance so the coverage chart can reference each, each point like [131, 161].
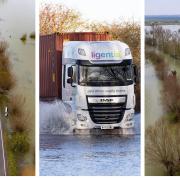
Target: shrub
[11, 159]
[19, 117]
[16, 103]
[20, 143]
[24, 37]
[32, 35]
[3, 100]
[11, 164]
[4, 62]
[3, 47]
[20, 123]
[6, 81]
[163, 147]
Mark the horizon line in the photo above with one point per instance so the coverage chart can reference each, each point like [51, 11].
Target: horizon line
[162, 14]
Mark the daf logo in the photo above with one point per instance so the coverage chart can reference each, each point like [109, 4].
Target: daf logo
[106, 100]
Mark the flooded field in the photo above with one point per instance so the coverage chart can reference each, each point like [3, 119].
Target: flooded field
[18, 18]
[16, 22]
[153, 104]
[170, 27]
[153, 99]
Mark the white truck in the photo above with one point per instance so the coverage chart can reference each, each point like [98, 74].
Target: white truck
[98, 78]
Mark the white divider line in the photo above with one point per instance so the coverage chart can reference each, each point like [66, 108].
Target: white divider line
[2, 144]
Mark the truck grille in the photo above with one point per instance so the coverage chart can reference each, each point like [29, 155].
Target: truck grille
[106, 113]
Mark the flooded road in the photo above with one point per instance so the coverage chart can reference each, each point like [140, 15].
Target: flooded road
[90, 154]
[153, 99]
[153, 102]
[18, 18]
[153, 106]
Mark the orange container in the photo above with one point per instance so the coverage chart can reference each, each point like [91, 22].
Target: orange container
[51, 47]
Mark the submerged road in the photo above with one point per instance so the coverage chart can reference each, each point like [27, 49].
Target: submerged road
[2, 154]
[91, 155]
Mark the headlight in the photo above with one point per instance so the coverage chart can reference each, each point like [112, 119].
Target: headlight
[127, 52]
[129, 117]
[81, 117]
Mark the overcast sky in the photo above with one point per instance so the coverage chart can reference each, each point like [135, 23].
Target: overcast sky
[162, 7]
[105, 10]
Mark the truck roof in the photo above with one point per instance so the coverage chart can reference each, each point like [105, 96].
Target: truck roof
[97, 51]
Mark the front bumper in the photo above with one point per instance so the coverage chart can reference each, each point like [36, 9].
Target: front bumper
[87, 123]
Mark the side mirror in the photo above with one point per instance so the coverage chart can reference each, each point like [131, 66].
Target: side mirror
[136, 73]
[69, 81]
[70, 72]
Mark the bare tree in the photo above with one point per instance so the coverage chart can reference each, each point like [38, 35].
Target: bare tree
[165, 40]
[126, 31]
[58, 18]
[163, 147]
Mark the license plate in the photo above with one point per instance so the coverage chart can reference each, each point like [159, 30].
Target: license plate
[106, 127]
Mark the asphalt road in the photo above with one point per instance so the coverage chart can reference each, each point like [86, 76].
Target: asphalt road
[2, 155]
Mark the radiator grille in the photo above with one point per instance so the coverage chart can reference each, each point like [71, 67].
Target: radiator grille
[106, 113]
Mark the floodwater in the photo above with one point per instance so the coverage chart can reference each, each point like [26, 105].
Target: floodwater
[153, 106]
[169, 27]
[153, 103]
[90, 154]
[16, 19]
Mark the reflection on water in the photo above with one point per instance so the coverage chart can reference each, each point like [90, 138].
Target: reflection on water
[89, 155]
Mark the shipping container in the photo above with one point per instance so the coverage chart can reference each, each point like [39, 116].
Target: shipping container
[51, 47]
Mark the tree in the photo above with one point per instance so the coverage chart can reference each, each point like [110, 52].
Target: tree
[128, 32]
[58, 18]
[163, 146]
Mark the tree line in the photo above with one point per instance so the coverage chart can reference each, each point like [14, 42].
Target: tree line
[164, 39]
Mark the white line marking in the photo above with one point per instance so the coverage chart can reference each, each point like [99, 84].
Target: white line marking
[3, 149]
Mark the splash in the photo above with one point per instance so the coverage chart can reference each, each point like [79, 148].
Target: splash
[56, 118]
[59, 118]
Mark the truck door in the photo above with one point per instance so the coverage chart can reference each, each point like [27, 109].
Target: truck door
[68, 92]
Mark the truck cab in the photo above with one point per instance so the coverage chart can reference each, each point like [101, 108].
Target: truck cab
[98, 79]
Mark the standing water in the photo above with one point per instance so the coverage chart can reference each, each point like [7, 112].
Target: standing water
[153, 106]
[70, 154]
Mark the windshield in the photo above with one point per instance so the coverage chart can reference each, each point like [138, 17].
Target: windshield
[111, 75]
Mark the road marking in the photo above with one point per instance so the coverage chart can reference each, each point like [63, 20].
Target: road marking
[3, 149]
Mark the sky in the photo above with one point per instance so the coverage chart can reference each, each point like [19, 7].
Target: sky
[105, 10]
[162, 7]
[18, 17]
